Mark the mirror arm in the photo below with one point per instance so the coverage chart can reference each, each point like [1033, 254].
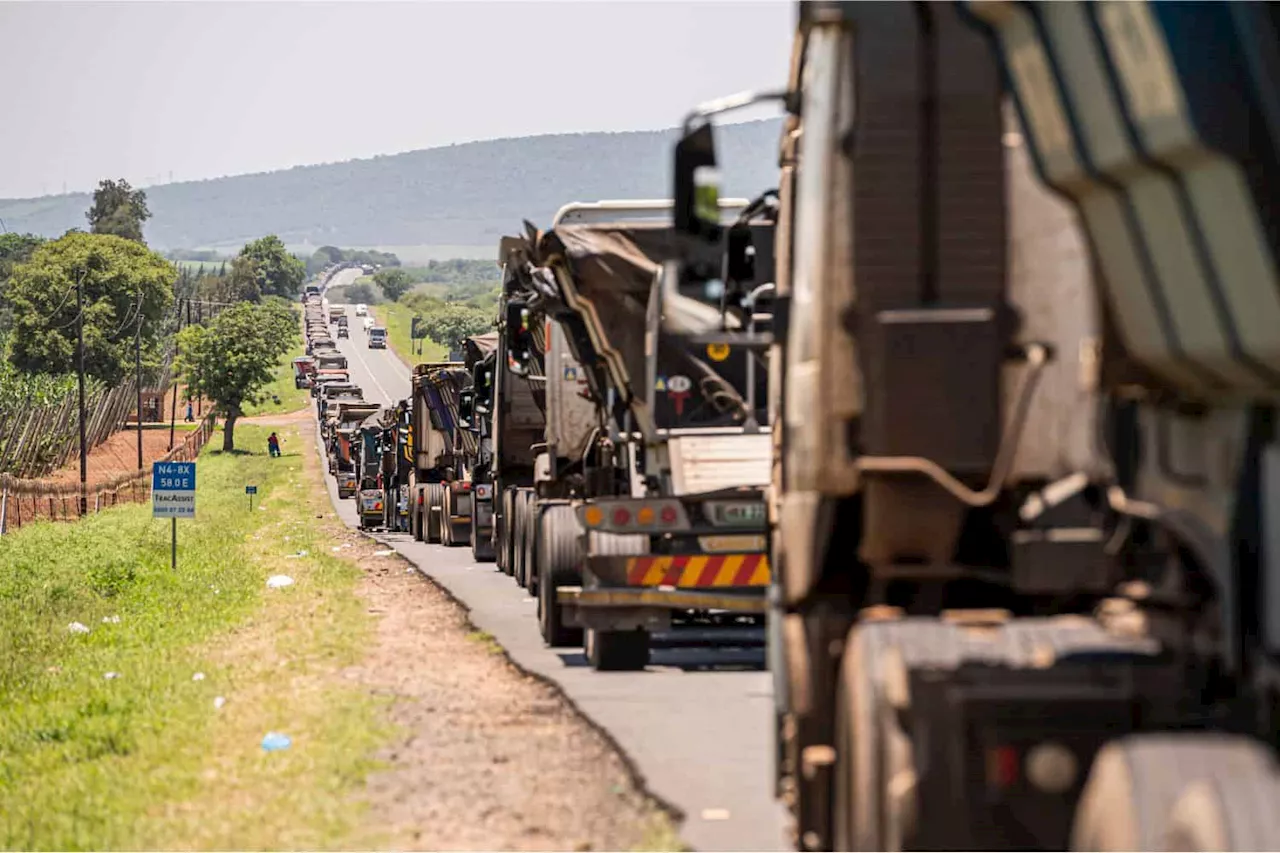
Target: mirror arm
[729, 103]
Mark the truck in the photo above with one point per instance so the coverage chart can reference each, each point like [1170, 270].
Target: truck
[655, 517]
[1025, 359]
[336, 312]
[377, 337]
[440, 494]
[476, 414]
[342, 442]
[369, 451]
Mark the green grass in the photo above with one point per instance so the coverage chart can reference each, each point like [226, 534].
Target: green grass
[280, 397]
[397, 318]
[144, 760]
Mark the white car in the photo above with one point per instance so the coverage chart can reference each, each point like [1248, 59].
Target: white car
[368, 323]
[362, 310]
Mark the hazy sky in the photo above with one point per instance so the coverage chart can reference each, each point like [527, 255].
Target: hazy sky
[146, 90]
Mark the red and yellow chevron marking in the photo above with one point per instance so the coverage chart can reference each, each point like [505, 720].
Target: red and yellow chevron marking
[699, 570]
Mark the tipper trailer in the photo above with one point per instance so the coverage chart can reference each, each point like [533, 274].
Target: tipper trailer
[658, 515]
[1024, 504]
[440, 497]
[475, 411]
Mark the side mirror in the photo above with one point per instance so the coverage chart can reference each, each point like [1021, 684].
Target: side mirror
[466, 408]
[697, 185]
[516, 330]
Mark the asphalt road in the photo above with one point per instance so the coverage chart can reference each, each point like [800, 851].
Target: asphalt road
[697, 724]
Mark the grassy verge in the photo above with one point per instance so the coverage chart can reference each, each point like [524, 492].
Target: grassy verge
[398, 320]
[111, 739]
[280, 397]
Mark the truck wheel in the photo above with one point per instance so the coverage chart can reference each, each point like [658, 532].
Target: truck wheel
[432, 509]
[481, 549]
[617, 651]
[518, 551]
[559, 563]
[502, 532]
[531, 566]
[1144, 790]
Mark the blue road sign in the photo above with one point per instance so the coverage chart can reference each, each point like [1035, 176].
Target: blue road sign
[250, 490]
[173, 490]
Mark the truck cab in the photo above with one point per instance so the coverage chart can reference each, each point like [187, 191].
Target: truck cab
[377, 337]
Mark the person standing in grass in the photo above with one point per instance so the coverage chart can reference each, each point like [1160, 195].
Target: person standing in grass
[190, 414]
[273, 444]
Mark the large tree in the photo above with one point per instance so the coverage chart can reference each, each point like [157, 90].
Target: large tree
[394, 282]
[125, 286]
[233, 358]
[279, 273]
[118, 209]
[453, 324]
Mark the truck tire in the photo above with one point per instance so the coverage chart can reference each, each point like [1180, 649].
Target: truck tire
[617, 651]
[531, 528]
[446, 507]
[482, 550]
[519, 522]
[873, 802]
[433, 509]
[1137, 783]
[502, 533]
[558, 539]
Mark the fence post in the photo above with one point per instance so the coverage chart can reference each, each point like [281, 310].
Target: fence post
[4, 509]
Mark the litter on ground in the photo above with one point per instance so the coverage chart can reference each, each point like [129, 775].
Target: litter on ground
[199, 676]
[78, 628]
[218, 702]
[277, 581]
[386, 553]
[110, 675]
[275, 741]
[111, 620]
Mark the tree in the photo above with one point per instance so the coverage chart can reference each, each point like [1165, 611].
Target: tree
[279, 273]
[394, 282]
[124, 284]
[14, 249]
[452, 324]
[360, 293]
[233, 358]
[118, 209]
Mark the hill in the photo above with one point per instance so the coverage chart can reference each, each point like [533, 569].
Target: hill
[466, 195]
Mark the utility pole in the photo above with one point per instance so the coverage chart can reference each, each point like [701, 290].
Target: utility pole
[84, 444]
[137, 372]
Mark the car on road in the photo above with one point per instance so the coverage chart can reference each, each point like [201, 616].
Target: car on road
[378, 337]
[369, 323]
[362, 310]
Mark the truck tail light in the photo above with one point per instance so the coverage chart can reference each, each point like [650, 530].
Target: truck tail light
[634, 515]
[463, 486]
[483, 490]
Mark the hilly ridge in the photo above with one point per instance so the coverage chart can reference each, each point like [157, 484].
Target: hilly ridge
[464, 194]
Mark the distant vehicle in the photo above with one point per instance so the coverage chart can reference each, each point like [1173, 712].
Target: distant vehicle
[342, 331]
[368, 323]
[362, 310]
[378, 338]
[311, 290]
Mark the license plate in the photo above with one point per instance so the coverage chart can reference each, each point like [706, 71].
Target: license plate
[736, 514]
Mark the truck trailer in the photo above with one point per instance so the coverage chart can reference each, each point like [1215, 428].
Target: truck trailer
[441, 491]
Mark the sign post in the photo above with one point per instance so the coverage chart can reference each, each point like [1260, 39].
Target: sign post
[173, 496]
[250, 491]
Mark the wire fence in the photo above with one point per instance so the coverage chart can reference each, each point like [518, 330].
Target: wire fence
[23, 501]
